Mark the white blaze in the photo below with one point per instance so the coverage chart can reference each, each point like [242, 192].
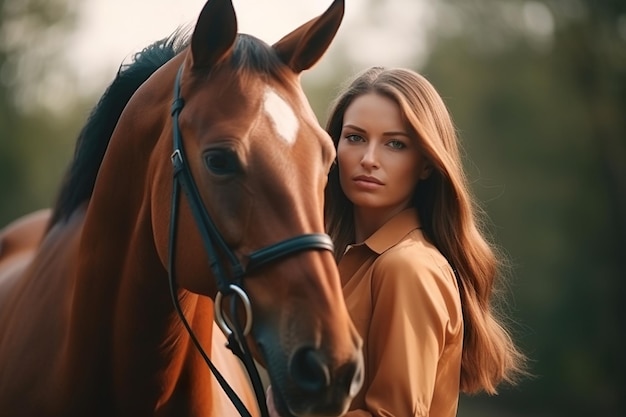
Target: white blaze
[282, 116]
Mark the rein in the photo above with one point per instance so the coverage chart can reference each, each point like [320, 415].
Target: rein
[229, 279]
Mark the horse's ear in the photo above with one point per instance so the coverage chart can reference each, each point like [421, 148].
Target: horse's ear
[303, 47]
[214, 34]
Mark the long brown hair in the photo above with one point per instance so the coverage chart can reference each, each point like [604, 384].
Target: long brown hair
[449, 216]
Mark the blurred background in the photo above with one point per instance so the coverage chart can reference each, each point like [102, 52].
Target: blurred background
[538, 93]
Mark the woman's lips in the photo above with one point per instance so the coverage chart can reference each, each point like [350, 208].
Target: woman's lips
[367, 182]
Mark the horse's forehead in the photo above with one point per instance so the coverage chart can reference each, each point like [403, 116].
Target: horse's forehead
[281, 115]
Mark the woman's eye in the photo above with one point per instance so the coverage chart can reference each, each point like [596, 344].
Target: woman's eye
[354, 138]
[396, 144]
[221, 161]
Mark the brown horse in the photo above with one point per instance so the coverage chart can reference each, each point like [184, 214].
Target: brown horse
[88, 326]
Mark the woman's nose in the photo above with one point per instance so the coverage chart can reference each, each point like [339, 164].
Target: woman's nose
[370, 158]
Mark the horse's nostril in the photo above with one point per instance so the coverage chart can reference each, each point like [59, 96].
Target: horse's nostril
[350, 376]
[309, 370]
[356, 379]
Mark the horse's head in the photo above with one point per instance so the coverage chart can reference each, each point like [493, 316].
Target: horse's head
[259, 162]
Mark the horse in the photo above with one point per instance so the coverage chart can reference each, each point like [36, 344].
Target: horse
[196, 184]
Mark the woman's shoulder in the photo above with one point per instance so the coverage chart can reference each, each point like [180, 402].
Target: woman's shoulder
[414, 251]
[414, 276]
[414, 262]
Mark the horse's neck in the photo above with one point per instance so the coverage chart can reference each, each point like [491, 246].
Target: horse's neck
[153, 361]
[126, 341]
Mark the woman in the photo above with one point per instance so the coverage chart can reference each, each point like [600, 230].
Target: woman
[417, 272]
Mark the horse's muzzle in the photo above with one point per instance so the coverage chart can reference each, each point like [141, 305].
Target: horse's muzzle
[323, 389]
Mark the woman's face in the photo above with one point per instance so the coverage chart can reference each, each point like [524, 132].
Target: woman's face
[379, 163]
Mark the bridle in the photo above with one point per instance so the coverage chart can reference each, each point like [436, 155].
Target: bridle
[229, 279]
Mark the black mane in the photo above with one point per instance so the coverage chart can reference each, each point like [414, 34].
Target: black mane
[94, 137]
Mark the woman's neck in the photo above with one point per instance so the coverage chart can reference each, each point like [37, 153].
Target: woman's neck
[368, 220]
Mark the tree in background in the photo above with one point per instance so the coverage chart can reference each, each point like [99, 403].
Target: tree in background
[538, 90]
[34, 144]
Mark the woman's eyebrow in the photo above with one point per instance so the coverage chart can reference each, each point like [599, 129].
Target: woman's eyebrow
[353, 127]
[398, 133]
[391, 133]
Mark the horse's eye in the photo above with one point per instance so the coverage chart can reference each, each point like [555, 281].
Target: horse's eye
[221, 161]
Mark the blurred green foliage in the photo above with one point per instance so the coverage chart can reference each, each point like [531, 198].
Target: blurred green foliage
[538, 93]
[542, 115]
[35, 142]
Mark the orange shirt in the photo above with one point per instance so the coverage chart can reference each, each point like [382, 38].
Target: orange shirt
[404, 300]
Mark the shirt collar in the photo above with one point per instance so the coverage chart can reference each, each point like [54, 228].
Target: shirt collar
[393, 231]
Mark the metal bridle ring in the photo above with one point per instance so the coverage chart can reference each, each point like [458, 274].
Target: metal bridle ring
[222, 321]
